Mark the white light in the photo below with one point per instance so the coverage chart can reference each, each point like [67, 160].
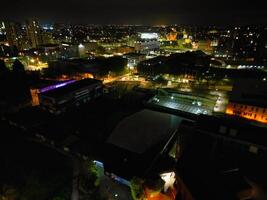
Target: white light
[81, 46]
[169, 179]
[149, 36]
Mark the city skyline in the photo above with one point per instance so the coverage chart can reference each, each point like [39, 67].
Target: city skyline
[133, 100]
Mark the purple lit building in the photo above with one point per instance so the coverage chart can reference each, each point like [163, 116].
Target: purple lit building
[60, 97]
[58, 85]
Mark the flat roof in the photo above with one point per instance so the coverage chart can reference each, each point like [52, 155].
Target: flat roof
[186, 103]
[70, 87]
[143, 130]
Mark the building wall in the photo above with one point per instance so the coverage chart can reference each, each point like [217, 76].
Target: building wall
[75, 98]
[34, 33]
[247, 111]
[146, 46]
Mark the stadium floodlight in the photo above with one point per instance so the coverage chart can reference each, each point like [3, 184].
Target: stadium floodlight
[149, 36]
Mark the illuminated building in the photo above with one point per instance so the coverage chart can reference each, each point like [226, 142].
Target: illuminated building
[182, 103]
[12, 30]
[248, 111]
[248, 100]
[124, 49]
[172, 36]
[55, 86]
[60, 97]
[33, 33]
[15, 35]
[48, 52]
[134, 59]
[35, 91]
[8, 51]
[47, 37]
[69, 50]
[169, 64]
[147, 42]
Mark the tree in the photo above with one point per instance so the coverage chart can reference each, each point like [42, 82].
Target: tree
[20, 90]
[137, 189]
[4, 82]
[85, 184]
[18, 67]
[89, 181]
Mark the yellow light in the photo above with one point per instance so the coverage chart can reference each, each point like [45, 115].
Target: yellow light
[32, 60]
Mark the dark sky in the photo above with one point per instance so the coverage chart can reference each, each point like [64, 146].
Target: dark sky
[207, 12]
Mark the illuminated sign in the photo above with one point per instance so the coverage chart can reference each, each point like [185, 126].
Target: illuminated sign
[149, 36]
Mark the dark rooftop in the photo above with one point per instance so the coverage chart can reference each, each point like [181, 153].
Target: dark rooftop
[143, 130]
[244, 133]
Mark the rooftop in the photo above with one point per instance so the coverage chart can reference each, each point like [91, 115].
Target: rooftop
[70, 87]
[143, 130]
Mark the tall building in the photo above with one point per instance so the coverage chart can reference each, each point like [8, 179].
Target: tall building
[33, 33]
[13, 33]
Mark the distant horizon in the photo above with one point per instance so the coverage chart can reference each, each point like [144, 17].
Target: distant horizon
[51, 23]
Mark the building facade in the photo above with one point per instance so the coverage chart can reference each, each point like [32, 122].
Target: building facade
[147, 42]
[33, 33]
[61, 97]
[248, 100]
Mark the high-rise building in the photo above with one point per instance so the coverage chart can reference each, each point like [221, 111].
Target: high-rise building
[33, 32]
[47, 37]
[13, 33]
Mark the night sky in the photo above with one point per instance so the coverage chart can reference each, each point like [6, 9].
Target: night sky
[199, 12]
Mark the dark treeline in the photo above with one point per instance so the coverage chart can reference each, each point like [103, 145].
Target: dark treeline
[13, 84]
